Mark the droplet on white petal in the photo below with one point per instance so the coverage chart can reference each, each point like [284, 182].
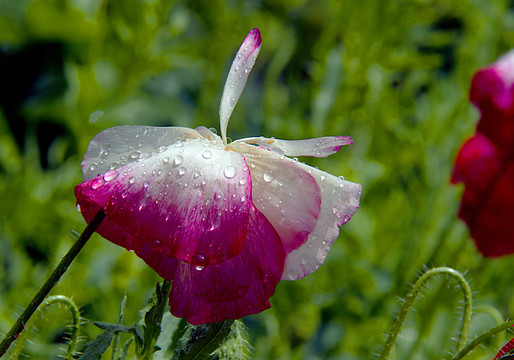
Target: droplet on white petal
[110, 175]
[230, 172]
[269, 175]
[179, 159]
[207, 154]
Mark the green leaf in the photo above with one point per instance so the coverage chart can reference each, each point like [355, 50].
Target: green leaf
[201, 341]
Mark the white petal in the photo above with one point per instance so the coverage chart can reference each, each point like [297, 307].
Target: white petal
[121, 145]
[237, 77]
[318, 147]
[297, 200]
[339, 201]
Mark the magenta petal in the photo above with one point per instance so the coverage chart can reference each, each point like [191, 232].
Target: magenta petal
[189, 202]
[235, 288]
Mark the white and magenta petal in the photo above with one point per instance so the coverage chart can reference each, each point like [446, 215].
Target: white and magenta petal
[318, 147]
[237, 77]
[339, 201]
[122, 145]
[285, 193]
[191, 202]
[235, 288]
[305, 206]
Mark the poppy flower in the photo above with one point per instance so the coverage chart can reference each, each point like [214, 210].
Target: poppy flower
[224, 222]
[485, 163]
[506, 352]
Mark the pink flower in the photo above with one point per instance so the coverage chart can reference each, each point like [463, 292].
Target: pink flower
[485, 163]
[223, 222]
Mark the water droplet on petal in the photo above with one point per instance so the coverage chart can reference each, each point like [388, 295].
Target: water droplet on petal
[155, 244]
[165, 160]
[182, 171]
[97, 183]
[295, 160]
[244, 197]
[146, 184]
[110, 175]
[178, 160]
[242, 181]
[341, 177]
[162, 148]
[323, 177]
[135, 155]
[198, 267]
[93, 167]
[132, 180]
[269, 175]
[281, 183]
[207, 154]
[78, 208]
[179, 143]
[230, 172]
[341, 185]
[124, 194]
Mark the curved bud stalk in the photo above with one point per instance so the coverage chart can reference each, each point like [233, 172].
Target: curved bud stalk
[411, 296]
[74, 326]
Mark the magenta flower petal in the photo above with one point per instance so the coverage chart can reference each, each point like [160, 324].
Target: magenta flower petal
[286, 194]
[305, 206]
[485, 163]
[318, 147]
[190, 202]
[235, 288]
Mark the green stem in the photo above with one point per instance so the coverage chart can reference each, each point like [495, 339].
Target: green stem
[411, 296]
[482, 338]
[19, 325]
[75, 318]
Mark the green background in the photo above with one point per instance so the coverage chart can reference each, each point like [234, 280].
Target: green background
[394, 75]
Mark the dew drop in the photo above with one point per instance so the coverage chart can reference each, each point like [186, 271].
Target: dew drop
[93, 167]
[196, 174]
[146, 184]
[207, 154]
[155, 244]
[179, 143]
[132, 180]
[165, 160]
[242, 182]
[323, 177]
[341, 177]
[341, 185]
[78, 208]
[281, 183]
[97, 183]
[269, 175]
[162, 148]
[244, 197]
[182, 170]
[198, 267]
[124, 194]
[295, 160]
[110, 175]
[135, 155]
[230, 172]
[178, 160]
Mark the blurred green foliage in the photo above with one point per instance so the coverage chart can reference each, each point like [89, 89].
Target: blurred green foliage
[394, 75]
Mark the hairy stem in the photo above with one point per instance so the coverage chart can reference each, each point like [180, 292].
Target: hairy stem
[75, 324]
[482, 338]
[51, 282]
[411, 296]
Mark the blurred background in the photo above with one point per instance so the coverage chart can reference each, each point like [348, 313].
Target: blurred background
[394, 75]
